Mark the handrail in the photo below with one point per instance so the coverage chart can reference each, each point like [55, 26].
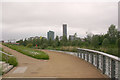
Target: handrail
[102, 53]
[108, 64]
[6, 53]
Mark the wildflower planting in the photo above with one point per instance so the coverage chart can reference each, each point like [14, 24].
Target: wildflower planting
[28, 51]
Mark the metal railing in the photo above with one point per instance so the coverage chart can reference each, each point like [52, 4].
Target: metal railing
[5, 53]
[108, 64]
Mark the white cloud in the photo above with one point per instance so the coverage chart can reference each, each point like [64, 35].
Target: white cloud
[24, 19]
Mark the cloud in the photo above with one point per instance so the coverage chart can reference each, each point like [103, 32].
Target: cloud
[25, 19]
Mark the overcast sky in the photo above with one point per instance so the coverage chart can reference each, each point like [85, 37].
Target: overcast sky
[26, 19]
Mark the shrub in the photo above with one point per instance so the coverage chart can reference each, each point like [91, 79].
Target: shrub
[44, 46]
[105, 42]
[69, 48]
[12, 61]
[9, 59]
[29, 45]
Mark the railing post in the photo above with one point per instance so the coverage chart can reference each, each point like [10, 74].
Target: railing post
[100, 62]
[97, 61]
[78, 54]
[87, 57]
[118, 70]
[81, 55]
[112, 69]
[104, 65]
[84, 56]
[109, 65]
[92, 58]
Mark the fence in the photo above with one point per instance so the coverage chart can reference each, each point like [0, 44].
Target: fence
[108, 64]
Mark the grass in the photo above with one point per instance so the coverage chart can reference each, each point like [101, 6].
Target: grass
[109, 50]
[64, 48]
[8, 59]
[28, 51]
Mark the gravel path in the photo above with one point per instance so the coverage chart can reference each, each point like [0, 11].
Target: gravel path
[60, 65]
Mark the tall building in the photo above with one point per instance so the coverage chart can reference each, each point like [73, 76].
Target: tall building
[65, 30]
[50, 35]
[71, 37]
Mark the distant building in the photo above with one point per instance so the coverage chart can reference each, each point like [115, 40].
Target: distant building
[65, 30]
[50, 35]
[71, 37]
[61, 37]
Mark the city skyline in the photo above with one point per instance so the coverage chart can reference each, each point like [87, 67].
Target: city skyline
[24, 20]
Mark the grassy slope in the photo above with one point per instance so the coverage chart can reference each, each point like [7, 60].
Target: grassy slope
[29, 52]
[8, 59]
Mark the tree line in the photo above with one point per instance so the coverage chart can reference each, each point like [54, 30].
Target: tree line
[108, 42]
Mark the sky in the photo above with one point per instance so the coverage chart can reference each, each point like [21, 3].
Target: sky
[26, 19]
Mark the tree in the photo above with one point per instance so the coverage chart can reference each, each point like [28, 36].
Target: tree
[89, 37]
[112, 34]
[50, 42]
[34, 42]
[25, 42]
[29, 45]
[63, 42]
[20, 42]
[105, 42]
[44, 45]
[95, 41]
[57, 42]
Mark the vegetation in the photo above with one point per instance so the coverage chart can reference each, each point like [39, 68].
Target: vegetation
[28, 51]
[8, 59]
[108, 42]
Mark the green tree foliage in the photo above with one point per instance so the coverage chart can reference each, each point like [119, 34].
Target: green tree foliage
[57, 42]
[29, 45]
[95, 41]
[63, 42]
[105, 42]
[44, 45]
[108, 42]
[25, 42]
[50, 42]
[20, 42]
[112, 34]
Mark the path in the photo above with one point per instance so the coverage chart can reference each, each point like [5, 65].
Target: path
[60, 65]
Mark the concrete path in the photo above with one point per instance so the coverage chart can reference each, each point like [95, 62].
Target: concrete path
[60, 65]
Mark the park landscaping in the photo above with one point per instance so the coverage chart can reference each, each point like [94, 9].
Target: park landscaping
[28, 51]
[8, 59]
[108, 43]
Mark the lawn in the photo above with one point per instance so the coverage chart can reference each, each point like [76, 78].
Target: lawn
[28, 51]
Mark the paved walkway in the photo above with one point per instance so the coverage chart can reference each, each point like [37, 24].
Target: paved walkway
[60, 65]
